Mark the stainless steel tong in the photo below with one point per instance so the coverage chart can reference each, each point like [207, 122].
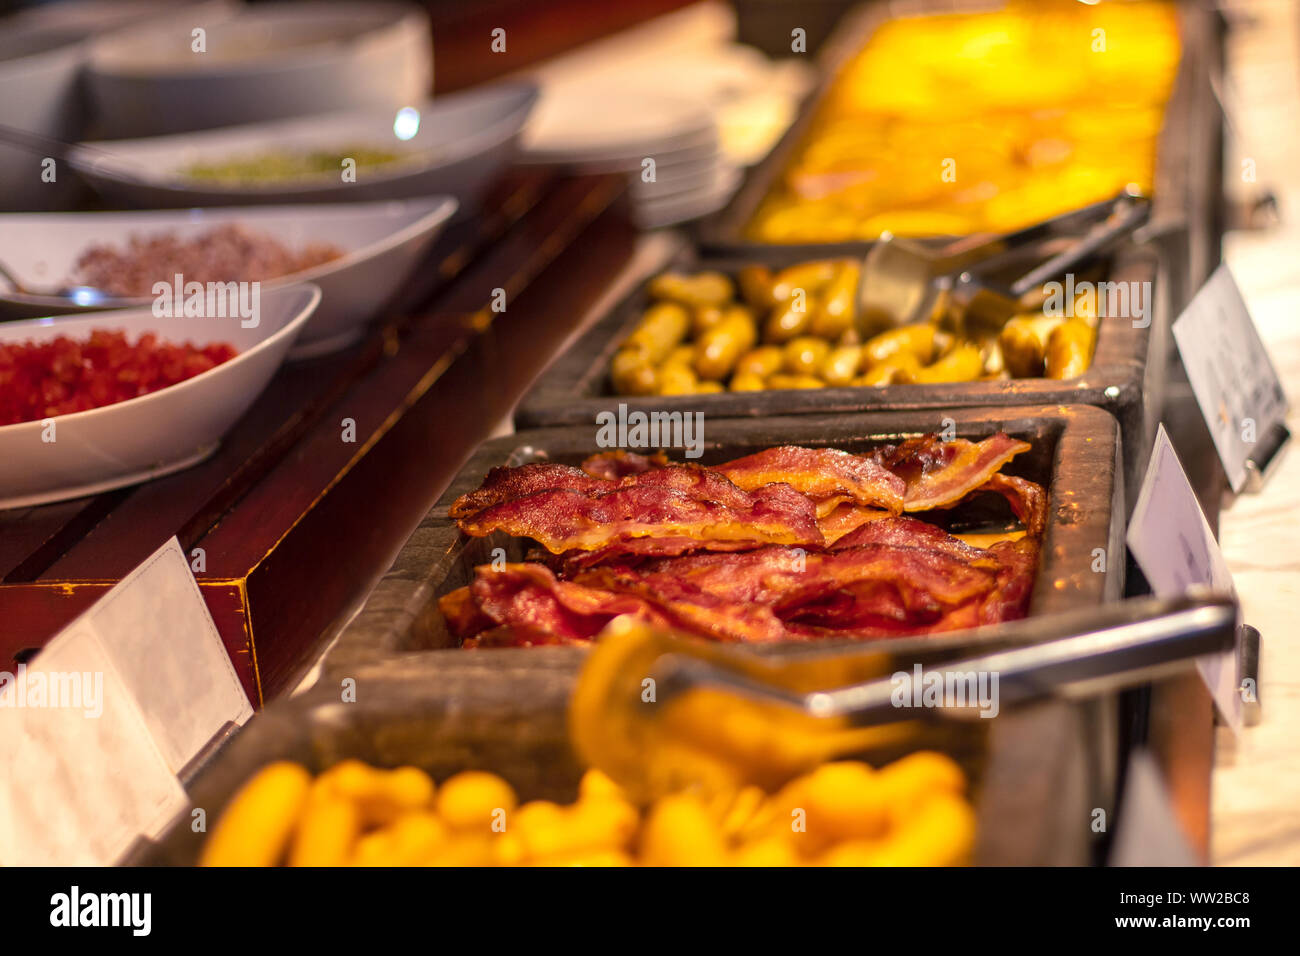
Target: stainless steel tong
[903, 281]
[1091, 651]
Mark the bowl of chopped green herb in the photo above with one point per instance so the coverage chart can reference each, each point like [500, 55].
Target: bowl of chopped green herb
[452, 145]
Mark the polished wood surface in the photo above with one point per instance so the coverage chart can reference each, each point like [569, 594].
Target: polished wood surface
[285, 512]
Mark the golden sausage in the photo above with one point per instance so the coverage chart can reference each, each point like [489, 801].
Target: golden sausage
[700, 289]
[1069, 349]
[747, 382]
[962, 364]
[256, 826]
[678, 380]
[661, 328]
[721, 346]
[841, 366]
[784, 380]
[788, 320]
[705, 318]
[763, 361]
[633, 374]
[805, 355]
[917, 340]
[898, 370]
[838, 304]
[756, 287]
[808, 276]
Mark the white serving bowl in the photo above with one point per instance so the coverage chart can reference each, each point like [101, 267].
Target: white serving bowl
[264, 62]
[465, 139]
[382, 242]
[155, 434]
[42, 53]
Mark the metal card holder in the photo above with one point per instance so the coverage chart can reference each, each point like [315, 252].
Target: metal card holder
[1261, 465]
[1248, 647]
[1259, 468]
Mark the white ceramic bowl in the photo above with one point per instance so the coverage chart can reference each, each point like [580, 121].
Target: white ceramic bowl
[382, 242]
[42, 53]
[464, 140]
[155, 434]
[268, 61]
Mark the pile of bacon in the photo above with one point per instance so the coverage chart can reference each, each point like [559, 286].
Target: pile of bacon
[787, 544]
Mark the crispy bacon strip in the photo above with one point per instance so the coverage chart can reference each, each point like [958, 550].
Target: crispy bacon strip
[564, 520]
[1009, 601]
[508, 484]
[905, 532]
[845, 518]
[826, 475]
[772, 593]
[941, 473]
[1028, 500]
[1014, 562]
[787, 578]
[787, 544]
[530, 597]
[633, 550]
[613, 465]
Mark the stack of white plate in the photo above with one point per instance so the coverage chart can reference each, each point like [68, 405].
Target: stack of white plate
[674, 102]
[669, 146]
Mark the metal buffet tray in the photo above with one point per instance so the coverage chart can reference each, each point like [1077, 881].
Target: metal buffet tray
[1126, 376]
[1186, 216]
[1037, 772]
[1074, 455]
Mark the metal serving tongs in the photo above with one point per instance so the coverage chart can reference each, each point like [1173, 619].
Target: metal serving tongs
[902, 281]
[658, 712]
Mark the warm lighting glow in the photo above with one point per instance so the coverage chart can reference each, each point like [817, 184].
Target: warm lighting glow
[407, 123]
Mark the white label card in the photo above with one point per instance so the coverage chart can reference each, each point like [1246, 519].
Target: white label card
[1235, 383]
[1173, 543]
[95, 730]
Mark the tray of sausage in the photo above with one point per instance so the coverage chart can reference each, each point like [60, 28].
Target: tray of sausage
[778, 335]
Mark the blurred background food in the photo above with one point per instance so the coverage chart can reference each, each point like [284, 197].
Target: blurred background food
[960, 123]
[913, 812]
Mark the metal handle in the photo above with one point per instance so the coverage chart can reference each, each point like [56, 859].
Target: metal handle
[975, 249]
[1105, 658]
[1086, 651]
[1130, 214]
